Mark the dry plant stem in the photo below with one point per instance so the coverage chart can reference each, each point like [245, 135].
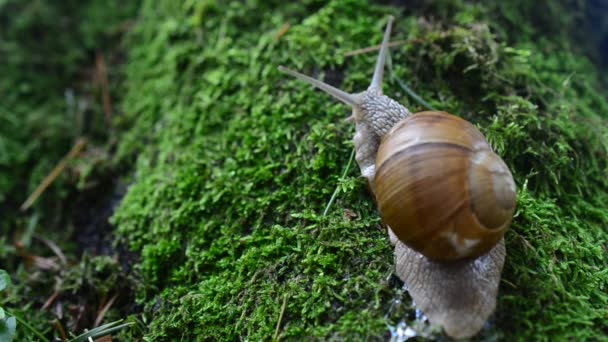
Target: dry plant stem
[60, 329]
[377, 47]
[283, 306]
[102, 312]
[390, 45]
[76, 149]
[50, 301]
[282, 31]
[102, 78]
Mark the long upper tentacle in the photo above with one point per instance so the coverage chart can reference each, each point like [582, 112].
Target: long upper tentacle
[349, 99]
[379, 71]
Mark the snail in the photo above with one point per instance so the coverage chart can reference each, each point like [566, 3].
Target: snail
[445, 197]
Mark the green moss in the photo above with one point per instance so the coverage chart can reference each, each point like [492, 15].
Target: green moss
[236, 164]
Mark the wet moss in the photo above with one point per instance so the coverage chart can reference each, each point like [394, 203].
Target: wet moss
[236, 163]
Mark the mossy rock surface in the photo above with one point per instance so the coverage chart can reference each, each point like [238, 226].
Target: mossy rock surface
[236, 164]
[233, 165]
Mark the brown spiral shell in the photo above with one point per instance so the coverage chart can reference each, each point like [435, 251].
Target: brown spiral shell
[441, 188]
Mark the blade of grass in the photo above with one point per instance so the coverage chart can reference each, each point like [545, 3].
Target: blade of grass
[333, 196]
[100, 331]
[407, 89]
[28, 327]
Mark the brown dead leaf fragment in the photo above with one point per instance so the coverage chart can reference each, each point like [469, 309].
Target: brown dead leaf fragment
[107, 338]
[47, 264]
[282, 31]
[349, 215]
[55, 248]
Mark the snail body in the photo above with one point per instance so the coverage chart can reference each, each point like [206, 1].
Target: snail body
[445, 196]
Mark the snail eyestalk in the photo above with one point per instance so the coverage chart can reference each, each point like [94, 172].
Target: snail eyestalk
[341, 95]
[379, 71]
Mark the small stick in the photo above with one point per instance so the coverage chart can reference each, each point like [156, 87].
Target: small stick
[377, 47]
[391, 44]
[80, 144]
[282, 31]
[50, 301]
[102, 78]
[102, 312]
[59, 327]
[276, 331]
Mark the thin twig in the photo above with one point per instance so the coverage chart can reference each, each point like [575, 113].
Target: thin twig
[276, 331]
[282, 31]
[377, 47]
[80, 144]
[61, 330]
[102, 78]
[50, 301]
[333, 196]
[369, 49]
[102, 312]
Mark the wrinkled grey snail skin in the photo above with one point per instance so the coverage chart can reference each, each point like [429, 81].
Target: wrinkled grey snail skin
[459, 295]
